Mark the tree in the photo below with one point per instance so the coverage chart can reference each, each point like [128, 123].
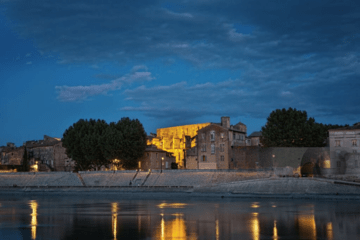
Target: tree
[25, 163]
[83, 145]
[125, 141]
[293, 128]
[94, 143]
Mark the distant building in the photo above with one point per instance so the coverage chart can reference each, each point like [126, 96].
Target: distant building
[43, 155]
[155, 158]
[176, 140]
[214, 145]
[345, 150]
[254, 139]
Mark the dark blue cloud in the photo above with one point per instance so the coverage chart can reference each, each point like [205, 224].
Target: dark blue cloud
[303, 54]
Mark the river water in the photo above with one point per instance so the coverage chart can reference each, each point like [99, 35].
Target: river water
[113, 217]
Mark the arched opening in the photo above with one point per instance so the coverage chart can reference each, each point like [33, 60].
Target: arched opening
[310, 169]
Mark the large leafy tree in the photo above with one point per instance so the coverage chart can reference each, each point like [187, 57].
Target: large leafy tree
[125, 141]
[293, 128]
[94, 143]
[83, 145]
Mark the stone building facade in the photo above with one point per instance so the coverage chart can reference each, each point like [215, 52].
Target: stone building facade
[11, 155]
[155, 158]
[214, 145]
[176, 140]
[345, 150]
[43, 155]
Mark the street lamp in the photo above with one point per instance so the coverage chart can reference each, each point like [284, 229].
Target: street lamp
[162, 159]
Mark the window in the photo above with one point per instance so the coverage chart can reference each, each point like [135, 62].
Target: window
[234, 136]
[212, 148]
[203, 135]
[354, 142]
[222, 146]
[354, 151]
[221, 135]
[338, 164]
[204, 158]
[356, 163]
[222, 158]
[212, 136]
[337, 143]
[203, 148]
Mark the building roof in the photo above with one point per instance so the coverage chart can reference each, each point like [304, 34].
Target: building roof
[256, 134]
[153, 148]
[353, 127]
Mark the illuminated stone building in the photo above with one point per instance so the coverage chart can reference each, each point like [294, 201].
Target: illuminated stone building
[155, 158]
[214, 145]
[43, 155]
[176, 140]
[344, 150]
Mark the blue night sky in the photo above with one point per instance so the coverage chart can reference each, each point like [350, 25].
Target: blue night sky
[171, 63]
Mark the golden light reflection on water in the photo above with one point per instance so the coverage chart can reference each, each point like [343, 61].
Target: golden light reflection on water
[114, 210]
[329, 231]
[255, 226]
[255, 205]
[174, 228]
[34, 205]
[217, 229]
[172, 205]
[275, 237]
[307, 226]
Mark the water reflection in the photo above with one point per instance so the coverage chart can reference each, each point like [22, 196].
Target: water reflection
[190, 219]
[173, 228]
[275, 237]
[114, 210]
[34, 205]
[255, 226]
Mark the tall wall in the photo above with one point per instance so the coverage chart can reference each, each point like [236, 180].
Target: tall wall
[173, 139]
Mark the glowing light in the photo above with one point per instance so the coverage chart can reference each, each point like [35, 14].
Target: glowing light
[114, 210]
[329, 231]
[307, 226]
[327, 164]
[217, 229]
[255, 205]
[274, 206]
[34, 206]
[172, 205]
[174, 229]
[255, 226]
[275, 237]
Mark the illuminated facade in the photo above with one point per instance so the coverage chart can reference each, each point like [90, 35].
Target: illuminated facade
[345, 150]
[214, 145]
[43, 155]
[155, 158]
[177, 139]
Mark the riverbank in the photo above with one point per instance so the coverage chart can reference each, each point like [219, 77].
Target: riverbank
[273, 187]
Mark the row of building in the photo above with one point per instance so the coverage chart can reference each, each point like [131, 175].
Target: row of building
[209, 146]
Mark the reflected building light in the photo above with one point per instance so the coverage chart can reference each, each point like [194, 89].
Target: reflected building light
[114, 210]
[275, 237]
[329, 231]
[34, 206]
[217, 229]
[255, 226]
[255, 205]
[172, 205]
[274, 206]
[174, 229]
[162, 227]
[307, 226]
[139, 222]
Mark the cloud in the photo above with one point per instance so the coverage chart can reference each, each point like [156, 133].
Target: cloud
[29, 63]
[293, 47]
[79, 93]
